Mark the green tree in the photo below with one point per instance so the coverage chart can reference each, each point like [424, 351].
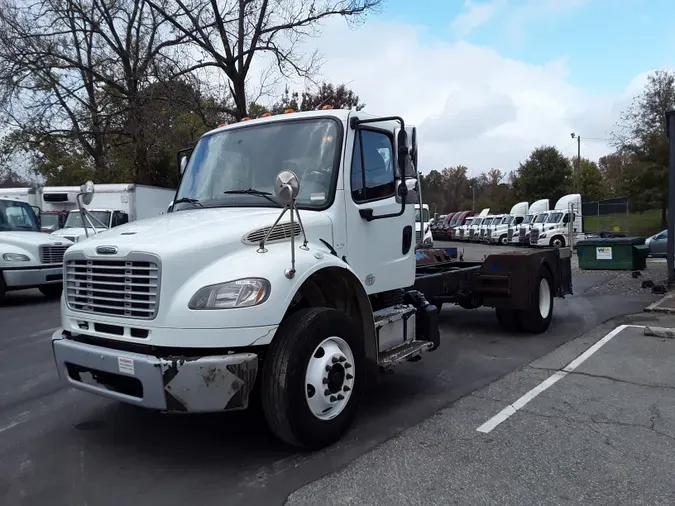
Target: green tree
[327, 94]
[545, 174]
[589, 181]
[642, 135]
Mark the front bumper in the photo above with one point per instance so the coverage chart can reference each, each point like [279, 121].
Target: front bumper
[211, 383]
[30, 277]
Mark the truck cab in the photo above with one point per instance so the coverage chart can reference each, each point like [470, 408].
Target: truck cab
[503, 232]
[29, 258]
[521, 237]
[101, 219]
[423, 227]
[563, 226]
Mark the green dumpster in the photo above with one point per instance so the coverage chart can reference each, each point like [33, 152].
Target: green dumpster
[615, 253]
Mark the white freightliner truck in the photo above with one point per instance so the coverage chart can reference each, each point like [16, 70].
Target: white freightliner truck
[29, 258]
[499, 233]
[286, 274]
[563, 225]
[521, 236]
[112, 205]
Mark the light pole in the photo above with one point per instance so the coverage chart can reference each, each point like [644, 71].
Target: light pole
[473, 198]
[578, 138]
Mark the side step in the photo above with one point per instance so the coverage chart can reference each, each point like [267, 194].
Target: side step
[406, 351]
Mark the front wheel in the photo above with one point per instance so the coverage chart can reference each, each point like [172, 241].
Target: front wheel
[51, 291]
[312, 378]
[504, 240]
[557, 242]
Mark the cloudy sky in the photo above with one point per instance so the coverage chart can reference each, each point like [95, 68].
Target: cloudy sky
[486, 81]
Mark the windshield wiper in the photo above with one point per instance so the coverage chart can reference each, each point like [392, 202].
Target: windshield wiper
[187, 200]
[251, 191]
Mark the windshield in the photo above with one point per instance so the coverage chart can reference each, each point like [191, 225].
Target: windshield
[541, 218]
[75, 220]
[252, 157]
[528, 219]
[487, 221]
[50, 220]
[16, 216]
[468, 222]
[478, 221]
[554, 218]
[425, 215]
[454, 221]
[507, 220]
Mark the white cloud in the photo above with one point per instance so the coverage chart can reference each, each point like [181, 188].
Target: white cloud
[474, 15]
[471, 105]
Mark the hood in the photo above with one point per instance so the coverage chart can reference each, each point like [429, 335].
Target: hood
[31, 239]
[74, 232]
[204, 232]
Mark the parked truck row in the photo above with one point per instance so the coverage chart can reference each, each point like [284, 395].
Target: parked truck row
[534, 225]
[286, 277]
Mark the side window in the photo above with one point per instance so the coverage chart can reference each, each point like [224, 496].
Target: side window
[519, 220]
[372, 175]
[122, 218]
[566, 218]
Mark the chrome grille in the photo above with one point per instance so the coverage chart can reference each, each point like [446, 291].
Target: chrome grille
[50, 254]
[522, 233]
[461, 232]
[489, 233]
[418, 235]
[534, 235]
[113, 287]
[281, 232]
[510, 234]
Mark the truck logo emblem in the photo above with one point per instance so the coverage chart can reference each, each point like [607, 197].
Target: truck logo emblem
[106, 250]
[370, 280]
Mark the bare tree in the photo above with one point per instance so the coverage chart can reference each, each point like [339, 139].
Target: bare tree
[230, 33]
[83, 66]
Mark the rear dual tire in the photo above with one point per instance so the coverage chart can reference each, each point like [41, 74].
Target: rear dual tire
[537, 317]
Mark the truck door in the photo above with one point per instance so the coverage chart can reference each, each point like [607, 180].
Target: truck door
[381, 251]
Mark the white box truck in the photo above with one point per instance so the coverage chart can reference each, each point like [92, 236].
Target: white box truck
[112, 205]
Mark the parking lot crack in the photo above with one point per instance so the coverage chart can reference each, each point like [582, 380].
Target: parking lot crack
[608, 378]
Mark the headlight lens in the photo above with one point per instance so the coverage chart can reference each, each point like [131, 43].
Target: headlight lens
[240, 293]
[15, 257]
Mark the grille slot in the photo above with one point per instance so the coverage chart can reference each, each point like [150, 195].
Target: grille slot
[281, 232]
[52, 254]
[510, 234]
[522, 233]
[113, 287]
[534, 235]
[418, 235]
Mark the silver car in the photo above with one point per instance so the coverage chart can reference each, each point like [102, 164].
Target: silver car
[658, 244]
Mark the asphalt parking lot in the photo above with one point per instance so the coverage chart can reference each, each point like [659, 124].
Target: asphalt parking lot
[60, 446]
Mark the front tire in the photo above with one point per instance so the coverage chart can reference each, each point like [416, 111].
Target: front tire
[312, 378]
[557, 242]
[509, 319]
[537, 318]
[3, 287]
[504, 240]
[51, 291]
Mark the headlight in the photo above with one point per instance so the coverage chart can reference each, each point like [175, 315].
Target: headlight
[15, 257]
[427, 241]
[542, 236]
[240, 293]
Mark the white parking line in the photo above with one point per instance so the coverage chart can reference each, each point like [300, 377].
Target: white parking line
[511, 409]
[45, 331]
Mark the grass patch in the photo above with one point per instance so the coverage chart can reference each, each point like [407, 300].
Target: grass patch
[637, 224]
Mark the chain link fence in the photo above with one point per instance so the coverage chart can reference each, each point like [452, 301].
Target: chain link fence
[612, 216]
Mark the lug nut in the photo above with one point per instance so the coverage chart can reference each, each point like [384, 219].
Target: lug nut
[346, 389]
[335, 360]
[342, 359]
[328, 368]
[349, 376]
[340, 397]
[348, 366]
[326, 392]
[325, 381]
[333, 398]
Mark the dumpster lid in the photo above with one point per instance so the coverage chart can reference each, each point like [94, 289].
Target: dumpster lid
[612, 241]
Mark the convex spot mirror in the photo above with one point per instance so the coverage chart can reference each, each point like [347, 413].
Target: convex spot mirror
[87, 190]
[183, 164]
[286, 187]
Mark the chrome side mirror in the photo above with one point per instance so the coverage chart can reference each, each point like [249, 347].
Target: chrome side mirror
[183, 164]
[87, 191]
[286, 187]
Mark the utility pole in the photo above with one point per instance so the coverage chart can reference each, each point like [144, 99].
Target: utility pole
[473, 199]
[670, 131]
[578, 138]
